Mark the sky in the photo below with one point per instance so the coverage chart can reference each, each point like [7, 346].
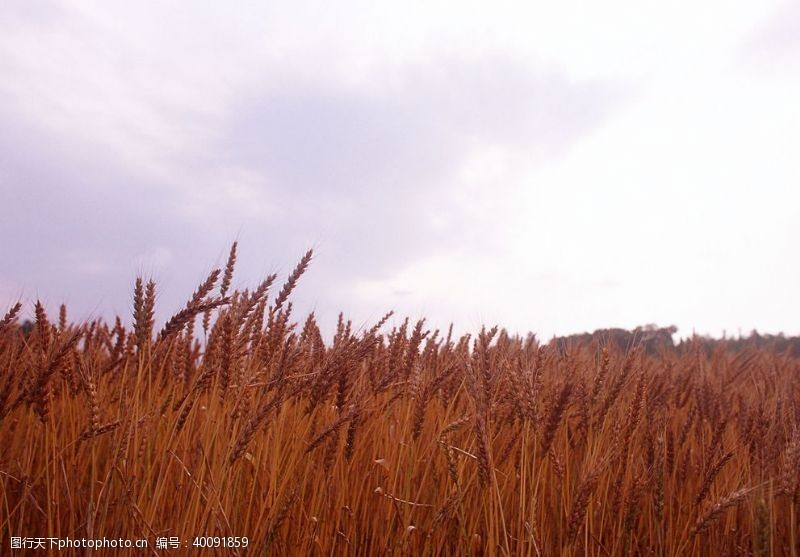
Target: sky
[553, 167]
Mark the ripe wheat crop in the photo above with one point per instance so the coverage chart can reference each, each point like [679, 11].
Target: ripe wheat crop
[235, 419]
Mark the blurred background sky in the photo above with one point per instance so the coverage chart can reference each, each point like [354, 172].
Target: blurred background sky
[548, 166]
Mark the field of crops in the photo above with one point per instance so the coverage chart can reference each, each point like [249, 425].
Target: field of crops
[236, 419]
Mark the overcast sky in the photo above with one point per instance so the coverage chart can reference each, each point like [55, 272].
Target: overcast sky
[548, 166]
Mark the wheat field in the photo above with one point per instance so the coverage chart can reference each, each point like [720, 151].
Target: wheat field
[234, 420]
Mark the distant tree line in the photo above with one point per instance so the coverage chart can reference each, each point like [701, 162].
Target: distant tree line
[654, 339]
[651, 337]
[776, 343]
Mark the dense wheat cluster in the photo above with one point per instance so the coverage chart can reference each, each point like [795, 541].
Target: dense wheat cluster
[234, 420]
